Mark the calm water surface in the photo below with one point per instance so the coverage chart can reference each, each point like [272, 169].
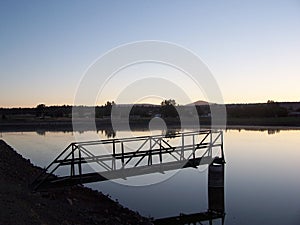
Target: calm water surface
[262, 184]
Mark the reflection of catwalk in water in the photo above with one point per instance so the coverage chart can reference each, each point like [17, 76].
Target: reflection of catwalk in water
[216, 206]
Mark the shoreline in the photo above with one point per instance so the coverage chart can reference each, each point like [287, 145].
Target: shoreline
[141, 125]
[69, 205]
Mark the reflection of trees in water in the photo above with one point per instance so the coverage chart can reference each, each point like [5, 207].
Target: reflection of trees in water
[41, 132]
[273, 131]
[171, 133]
[109, 133]
[270, 131]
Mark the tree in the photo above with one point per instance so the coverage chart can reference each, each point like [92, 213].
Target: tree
[169, 102]
[168, 108]
[40, 110]
[107, 108]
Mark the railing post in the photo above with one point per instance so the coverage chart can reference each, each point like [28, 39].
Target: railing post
[122, 148]
[149, 158]
[114, 155]
[222, 147]
[150, 151]
[194, 150]
[79, 164]
[182, 147]
[114, 148]
[210, 143]
[72, 172]
[160, 153]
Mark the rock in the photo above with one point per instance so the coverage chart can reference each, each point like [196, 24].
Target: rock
[70, 201]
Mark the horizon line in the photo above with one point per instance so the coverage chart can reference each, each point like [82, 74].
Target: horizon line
[58, 105]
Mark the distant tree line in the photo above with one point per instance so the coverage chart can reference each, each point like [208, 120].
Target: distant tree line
[167, 109]
[40, 111]
[269, 109]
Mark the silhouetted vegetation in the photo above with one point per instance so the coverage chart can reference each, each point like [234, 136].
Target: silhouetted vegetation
[171, 133]
[270, 109]
[168, 109]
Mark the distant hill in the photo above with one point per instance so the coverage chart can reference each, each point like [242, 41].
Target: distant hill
[138, 104]
[200, 102]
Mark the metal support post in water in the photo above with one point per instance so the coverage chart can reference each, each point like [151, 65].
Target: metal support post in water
[216, 189]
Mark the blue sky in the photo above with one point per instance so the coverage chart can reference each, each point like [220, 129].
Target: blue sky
[251, 47]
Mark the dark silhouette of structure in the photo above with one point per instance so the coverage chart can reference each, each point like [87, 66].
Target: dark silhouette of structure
[216, 206]
[93, 161]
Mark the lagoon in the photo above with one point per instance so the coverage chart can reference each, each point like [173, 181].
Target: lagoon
[261, 176]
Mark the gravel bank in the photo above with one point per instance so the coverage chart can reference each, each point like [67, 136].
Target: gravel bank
[76, 205]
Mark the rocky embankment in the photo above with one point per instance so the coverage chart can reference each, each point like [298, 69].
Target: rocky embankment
[75, 205]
